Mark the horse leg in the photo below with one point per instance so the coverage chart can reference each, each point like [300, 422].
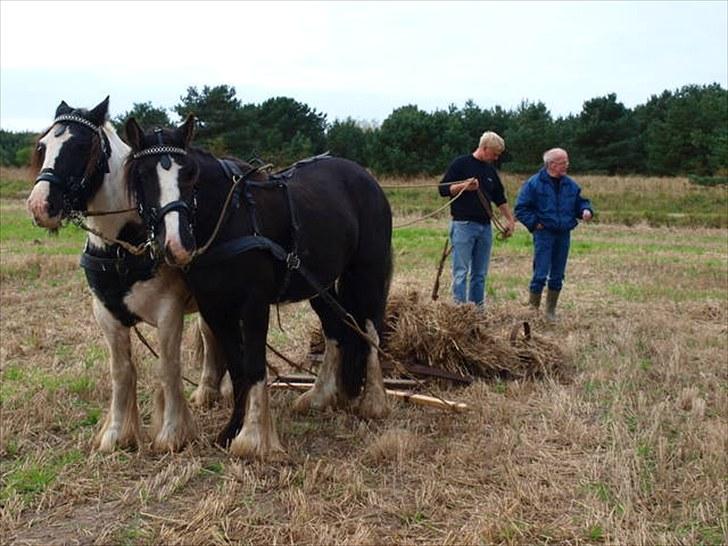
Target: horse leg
[364, 294]
[209, 389]
[122, 427]
[373, 400]
[226, 329]
[327, 389]
[172, 422]
[258, 439]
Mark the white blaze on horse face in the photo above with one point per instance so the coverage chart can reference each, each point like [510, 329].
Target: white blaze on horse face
[168, 192]
[37, 203]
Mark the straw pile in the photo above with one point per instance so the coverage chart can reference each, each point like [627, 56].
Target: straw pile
[464, 340]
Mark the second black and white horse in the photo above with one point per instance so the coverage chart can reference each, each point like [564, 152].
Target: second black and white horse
[80, 161]
[321, 231]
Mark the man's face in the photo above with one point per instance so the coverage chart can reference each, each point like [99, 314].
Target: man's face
[559, 165]
[491, 154]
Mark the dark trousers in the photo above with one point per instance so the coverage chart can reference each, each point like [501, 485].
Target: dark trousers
[550, 251]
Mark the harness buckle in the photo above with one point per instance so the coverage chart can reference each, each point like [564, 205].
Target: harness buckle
[122, 268]
[293, 262]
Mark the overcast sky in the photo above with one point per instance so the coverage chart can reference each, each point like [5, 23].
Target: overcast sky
[357, 59]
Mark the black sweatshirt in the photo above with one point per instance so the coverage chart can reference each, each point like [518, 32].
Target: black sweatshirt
[468, 206]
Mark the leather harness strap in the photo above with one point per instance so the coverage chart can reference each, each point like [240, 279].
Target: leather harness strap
[229, 249]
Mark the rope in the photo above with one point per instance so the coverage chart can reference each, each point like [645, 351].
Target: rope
[136, 250]
[397, 186]
[433, 213]
[483, 201]
[148, 346]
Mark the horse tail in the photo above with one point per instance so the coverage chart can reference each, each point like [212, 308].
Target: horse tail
[354, 363]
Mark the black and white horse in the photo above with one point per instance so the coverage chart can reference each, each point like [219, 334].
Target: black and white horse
[80, 159]
[321, 231]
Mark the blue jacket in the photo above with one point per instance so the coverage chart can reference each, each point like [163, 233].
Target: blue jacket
[540, 202]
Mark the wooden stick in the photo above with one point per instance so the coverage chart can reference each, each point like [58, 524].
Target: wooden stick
[300, 378]
[419, 399]
[445, 253]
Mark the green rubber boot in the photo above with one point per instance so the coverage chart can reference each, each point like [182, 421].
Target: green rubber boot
[534, 299]
[552, 298]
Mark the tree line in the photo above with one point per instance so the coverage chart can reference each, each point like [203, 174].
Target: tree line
[678, 132]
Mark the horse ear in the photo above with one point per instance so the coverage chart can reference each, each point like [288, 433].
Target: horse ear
[63, 108]
[134, 134]
[99, 114]
[187, 129]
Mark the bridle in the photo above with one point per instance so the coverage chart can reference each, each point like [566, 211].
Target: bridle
[75, 188]
[153, 216]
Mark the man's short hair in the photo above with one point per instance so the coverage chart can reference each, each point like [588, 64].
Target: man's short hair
[492, 140]
[553, 153]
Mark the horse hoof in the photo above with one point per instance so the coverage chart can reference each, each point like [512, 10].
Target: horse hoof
[204, 397]
[302, 404]
[166, 442]
[105, 442]
[313, 400]
[374, 411]
[246, 448]
[108, 440]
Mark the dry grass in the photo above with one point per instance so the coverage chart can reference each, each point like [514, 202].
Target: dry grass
[631, 449]
[467, 341]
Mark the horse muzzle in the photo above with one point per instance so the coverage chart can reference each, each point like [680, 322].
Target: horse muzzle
[177, 255]
[46, 212]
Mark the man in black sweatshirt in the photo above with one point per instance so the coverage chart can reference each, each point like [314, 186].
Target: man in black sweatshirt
[470, 230]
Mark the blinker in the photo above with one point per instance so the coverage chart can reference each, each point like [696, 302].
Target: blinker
[60, 130]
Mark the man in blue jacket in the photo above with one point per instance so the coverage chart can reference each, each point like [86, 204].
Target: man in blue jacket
[549, 205]
[470, 231]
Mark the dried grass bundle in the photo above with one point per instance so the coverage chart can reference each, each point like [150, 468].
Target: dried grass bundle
[463, 339]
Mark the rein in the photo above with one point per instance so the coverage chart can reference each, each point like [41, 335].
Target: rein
[107, 212]
[136, 250]
[237, 179]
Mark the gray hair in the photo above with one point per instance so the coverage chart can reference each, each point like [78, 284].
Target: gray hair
[492, 140]
[552, 154]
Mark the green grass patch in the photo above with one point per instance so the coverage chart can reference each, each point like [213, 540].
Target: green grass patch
[215, 467]
[19, 383]
[29, 479]
[15, 189]
[16, 226]
[644, 293]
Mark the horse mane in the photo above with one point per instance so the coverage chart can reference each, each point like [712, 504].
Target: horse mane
[36, 159]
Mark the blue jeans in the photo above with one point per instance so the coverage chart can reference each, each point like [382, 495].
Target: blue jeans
[471, 243]
[550, 251]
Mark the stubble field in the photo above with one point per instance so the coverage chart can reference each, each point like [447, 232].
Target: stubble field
[629, 448]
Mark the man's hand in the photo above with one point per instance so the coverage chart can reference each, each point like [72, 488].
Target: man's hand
[509, 229]
[586, 215]
[471, 184]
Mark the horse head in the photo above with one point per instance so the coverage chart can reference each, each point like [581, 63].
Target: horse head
[70, 160]
[162, 176]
